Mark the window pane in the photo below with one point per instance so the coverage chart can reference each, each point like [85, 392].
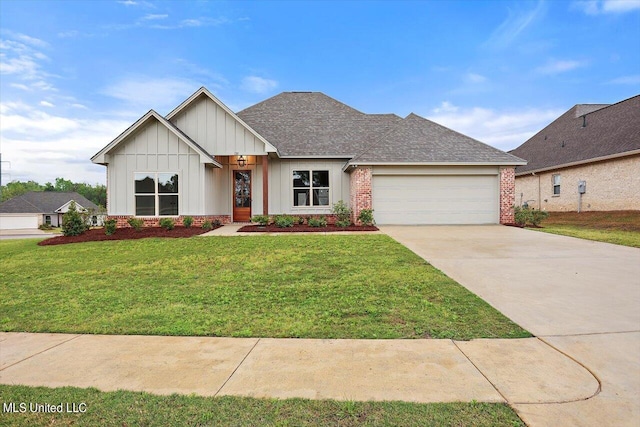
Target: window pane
[167, 183]
[145, 205]
[556, 189]
[321, 197]
[301, 178]
[300, 197]
[145, 183]
[321, 178]
[168, 205]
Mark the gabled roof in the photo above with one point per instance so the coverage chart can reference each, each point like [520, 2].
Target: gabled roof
[311, 124]
[44, 202]
[418, 140]
[203, 91]
[205, 157]
[584, 134]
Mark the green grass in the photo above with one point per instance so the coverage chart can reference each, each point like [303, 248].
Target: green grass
[124, 408]
[618, 237]
[366, 286]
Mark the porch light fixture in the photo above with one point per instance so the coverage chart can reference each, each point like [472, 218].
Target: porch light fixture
[242, 162]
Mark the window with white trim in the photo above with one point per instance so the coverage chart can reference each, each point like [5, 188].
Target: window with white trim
[47, 219]
[156, 194]
[310, 188]
[556, 184]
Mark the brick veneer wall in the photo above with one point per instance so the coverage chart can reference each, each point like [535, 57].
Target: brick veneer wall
[360, 191]
[507, 194]
[198, 220]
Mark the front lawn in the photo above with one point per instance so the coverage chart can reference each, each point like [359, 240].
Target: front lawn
[364, 286]
[123, 408]
[618, 227]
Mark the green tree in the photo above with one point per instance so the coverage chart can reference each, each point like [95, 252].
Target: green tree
[17, 188]
[73, 224]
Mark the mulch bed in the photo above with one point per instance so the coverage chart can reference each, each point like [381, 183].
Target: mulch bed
[303, 229]
[97, 234]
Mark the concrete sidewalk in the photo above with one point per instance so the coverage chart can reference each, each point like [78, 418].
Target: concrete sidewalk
[232, 230]
[516, 371]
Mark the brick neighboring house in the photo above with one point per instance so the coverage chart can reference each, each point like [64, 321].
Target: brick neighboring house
[594, 144]
[35, 208]
[299, 153]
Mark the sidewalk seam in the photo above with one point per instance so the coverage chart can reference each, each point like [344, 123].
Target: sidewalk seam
[237, 367]
[40, 352]
[481, 373]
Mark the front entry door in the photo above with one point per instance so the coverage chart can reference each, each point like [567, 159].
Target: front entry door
[241, 196]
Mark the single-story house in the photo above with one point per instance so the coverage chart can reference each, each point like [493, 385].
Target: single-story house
[35, 208]
[299, 153]
[587, 159]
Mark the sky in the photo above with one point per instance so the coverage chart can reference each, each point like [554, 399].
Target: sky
[75, 74]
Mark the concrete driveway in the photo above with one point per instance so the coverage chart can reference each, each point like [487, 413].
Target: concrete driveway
[581, 297]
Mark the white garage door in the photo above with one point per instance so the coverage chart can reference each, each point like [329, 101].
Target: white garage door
[436, 199]
[14, 222]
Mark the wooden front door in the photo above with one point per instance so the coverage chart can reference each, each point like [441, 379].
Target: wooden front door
[242, 196]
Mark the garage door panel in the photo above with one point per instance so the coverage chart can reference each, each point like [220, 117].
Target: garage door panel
[16, 222]
[435, 199]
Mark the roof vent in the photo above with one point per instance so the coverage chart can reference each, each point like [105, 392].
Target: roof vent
[562, 144]
[584, 121]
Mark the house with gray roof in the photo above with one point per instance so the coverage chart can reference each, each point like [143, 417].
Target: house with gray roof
[32, 209]
[586, 159]
[299, 153]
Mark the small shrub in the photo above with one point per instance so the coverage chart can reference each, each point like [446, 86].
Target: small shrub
[167, 223]
[187, 221]
[261, 219]
[524, 216]
[45, 227]
[217, 223]
[365, 217]
[136, 223]
[110, 227]
[343, 223]
[538, 216]
[283, 221]
[72, 222]
[342, 213]
[207, 225]
[317, 222]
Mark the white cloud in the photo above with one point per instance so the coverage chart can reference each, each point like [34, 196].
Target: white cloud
[505, 130]
[156, 93]
[154, 17]
[556, 66]
[46, 104]
[20, 60]
[475, 78]
[626, 80]
[515, 23]
[598, 7]
[258, 85]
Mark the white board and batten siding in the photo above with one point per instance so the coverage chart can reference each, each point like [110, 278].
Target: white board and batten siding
[9, 221]
[281, 184]
[154, 148]
[215, 130]
[436, 195]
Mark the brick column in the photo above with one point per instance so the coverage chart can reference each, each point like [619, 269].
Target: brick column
[360, 191]
[507, 194]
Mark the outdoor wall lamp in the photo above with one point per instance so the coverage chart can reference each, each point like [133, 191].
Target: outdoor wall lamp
[242, 162]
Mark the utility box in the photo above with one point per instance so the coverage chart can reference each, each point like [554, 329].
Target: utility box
[582, 187]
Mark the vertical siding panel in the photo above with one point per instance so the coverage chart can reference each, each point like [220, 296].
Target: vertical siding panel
[221, 142]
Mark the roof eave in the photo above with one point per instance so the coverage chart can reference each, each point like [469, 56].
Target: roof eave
[355, 164]
[580, 162]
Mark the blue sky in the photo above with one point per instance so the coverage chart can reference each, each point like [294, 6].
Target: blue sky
[75, 74]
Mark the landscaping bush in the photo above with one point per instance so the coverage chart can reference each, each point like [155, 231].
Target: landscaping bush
[283, 221]
[207, 225]
[187, 221]
[45, 227]
[524, 216]
[72, 222]
[217, 223]
[342, 213]
[298, 220]
[261, 220]
[317, 222]
[110, 227]
[167, 223]
[136, 223]
[366, 217]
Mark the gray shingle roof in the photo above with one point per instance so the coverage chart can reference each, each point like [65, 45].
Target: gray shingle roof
[43, 202]
[609, 130]
[416, 139]
[313, 124]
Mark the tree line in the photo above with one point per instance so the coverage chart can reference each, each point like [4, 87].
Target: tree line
[96, 193]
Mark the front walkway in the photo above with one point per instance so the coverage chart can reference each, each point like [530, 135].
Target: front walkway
[232, 230]
[514, 371]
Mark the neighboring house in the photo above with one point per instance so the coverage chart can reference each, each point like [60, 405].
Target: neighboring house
[35, 208]
[592, 148]
[299, 153]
